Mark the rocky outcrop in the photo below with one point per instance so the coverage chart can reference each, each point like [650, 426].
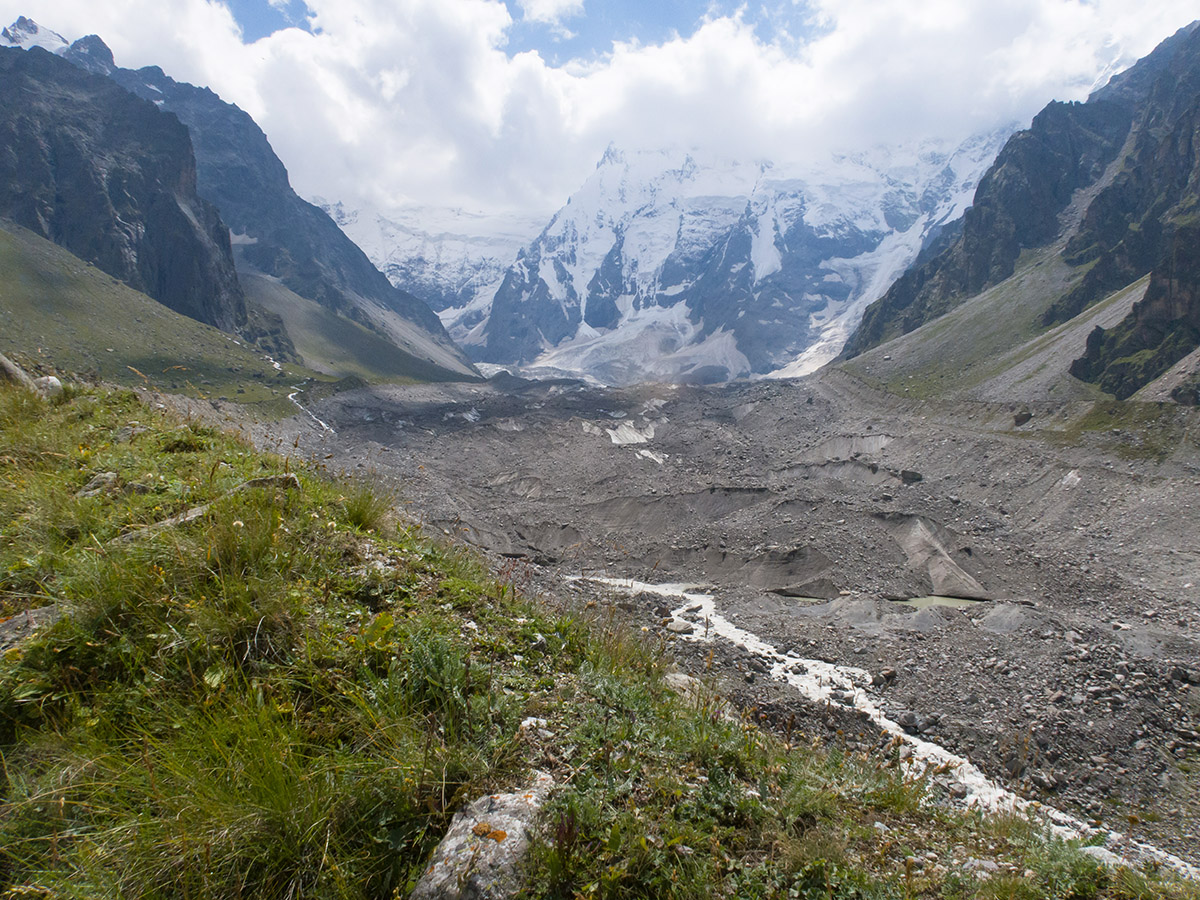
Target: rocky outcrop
[1128, 229]
[1163, 327]
[1147, 219]
[112, 178]
[480, 856]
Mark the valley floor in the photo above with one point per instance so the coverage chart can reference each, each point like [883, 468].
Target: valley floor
[1067, 663]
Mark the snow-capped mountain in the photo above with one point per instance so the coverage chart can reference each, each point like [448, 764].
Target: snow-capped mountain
[448, 257]
[26, 33]
[667, 266]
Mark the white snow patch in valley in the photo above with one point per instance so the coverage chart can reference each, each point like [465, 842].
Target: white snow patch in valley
[651, 344]
[817, 681]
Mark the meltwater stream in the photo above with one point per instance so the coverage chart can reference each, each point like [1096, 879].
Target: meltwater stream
[304, 409]
[818, 681]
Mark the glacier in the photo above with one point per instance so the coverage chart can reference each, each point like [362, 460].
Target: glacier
[673, 265]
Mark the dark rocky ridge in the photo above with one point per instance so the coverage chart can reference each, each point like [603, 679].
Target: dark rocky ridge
[279, 233]
[112, 178]
[1128, 229]
[1016, 207]
[1145, 118]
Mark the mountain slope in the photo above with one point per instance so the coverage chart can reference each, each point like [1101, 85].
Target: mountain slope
[275, 231]
[109, 177]
[1016, 206]
[283, 236]
[58, 309]
[1124, 182]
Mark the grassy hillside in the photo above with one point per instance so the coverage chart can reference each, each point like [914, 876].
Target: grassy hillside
[332, 344]
[995, 346]
[255, 682]
[54, 306]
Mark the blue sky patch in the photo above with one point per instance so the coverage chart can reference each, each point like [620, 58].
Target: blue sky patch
[259, 18]
[582, 37]
[605, 22]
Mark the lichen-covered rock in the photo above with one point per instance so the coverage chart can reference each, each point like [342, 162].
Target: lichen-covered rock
[481, 854]
[98, 485]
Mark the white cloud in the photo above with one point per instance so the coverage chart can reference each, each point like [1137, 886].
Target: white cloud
[395, 101]
[550, 12]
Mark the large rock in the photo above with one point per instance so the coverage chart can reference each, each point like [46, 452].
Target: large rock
[480, 856]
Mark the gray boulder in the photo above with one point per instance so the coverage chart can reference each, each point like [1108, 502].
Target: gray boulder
[480, 857]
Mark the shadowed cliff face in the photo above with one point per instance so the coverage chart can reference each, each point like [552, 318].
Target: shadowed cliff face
[112, 179]
[1162, 328]
[1129, 228]
[1145, 121]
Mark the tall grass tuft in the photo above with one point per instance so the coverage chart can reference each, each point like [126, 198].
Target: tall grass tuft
[366, 506]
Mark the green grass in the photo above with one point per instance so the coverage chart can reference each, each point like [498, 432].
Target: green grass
[333, 344]
[55, 307]
[1133, 430]
[984, 337]
[960, 348]
[289, 696]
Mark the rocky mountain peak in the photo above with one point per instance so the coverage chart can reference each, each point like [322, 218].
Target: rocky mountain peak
[91, 54]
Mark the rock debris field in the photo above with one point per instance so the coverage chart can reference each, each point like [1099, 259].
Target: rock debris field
[1016, 590]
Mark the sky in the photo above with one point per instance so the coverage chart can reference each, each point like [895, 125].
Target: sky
[507, 105]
